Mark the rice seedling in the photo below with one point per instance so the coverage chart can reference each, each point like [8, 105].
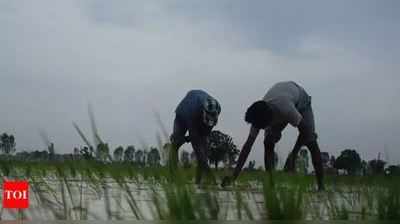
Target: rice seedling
[388, 202]
[283, 201]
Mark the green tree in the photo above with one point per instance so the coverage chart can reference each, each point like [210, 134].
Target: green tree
[129, 154]
[153, 157]
[51, 150]
[377, 166]
[251, 166]
[7, 144]
[76, 153]
[39, 155]
[185, 159]
[349, 160]
[86, 153]
[193, 159]
[393, 170]
[221, 148]
[276, 159]
[22, 155]
[302, 163]
[118, 153]
[325, 159]
[139, 157]
[332, 161]
[103, 152]
[364, 167]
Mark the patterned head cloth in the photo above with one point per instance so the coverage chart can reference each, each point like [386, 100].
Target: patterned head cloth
[211, 111]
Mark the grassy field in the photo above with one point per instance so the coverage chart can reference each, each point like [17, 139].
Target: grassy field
[89, 190]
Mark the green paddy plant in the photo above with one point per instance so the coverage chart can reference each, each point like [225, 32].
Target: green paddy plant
[389, 202]
[210, 201]
[47, 198]
[242, 206]
[5, 168]
[180, 203]
[131, 200]
[283, 202]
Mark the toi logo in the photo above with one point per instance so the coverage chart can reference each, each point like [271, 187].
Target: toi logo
[15, 194]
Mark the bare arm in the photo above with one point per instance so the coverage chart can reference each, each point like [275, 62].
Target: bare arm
[244, 153]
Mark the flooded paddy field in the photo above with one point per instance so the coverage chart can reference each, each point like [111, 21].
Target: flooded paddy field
[77, 191]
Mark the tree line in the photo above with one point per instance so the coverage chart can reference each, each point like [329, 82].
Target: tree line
[222, 150]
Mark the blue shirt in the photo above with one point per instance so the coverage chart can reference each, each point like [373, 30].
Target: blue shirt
[190, 108]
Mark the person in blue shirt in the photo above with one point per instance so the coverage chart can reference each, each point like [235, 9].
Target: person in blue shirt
[196, 114]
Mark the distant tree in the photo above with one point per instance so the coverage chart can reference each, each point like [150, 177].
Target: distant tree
[332, 161]
[364, 167]
[103, 152]
[393, 170]
[251, 166]
[349, 160]
[165, 151]
[221, 148]
[51, 150]
[76, 154]
[325, 159]
[153, 157]
[185, 159]
[39, 155]
[86, 153]
[144, 158]
[232, 155]
[63, 157]
[118, 153]
[22, 155]
[302, 163]
[7, 143]
[276, 159]
[193, 157]
[129, 154]
[377, 166]
[139, 155]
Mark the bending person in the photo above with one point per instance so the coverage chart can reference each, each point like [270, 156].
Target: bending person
[285, 103]
[197, 114]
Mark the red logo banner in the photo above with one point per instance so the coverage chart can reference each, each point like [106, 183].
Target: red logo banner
[16, 194]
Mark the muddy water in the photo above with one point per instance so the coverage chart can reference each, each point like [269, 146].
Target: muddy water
[54, 200]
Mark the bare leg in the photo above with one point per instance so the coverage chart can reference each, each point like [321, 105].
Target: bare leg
[317, 162]
[272, 136]
[269, 155]
[307, 132]
[177, 140]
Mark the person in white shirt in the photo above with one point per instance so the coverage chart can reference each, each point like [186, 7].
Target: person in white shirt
[285, 103]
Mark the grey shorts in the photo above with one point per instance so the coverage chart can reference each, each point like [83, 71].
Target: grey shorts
[306, 128]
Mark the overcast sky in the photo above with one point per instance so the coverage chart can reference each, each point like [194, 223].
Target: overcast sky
[131, 58]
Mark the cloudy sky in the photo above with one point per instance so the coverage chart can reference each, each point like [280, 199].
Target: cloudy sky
[131, 58]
